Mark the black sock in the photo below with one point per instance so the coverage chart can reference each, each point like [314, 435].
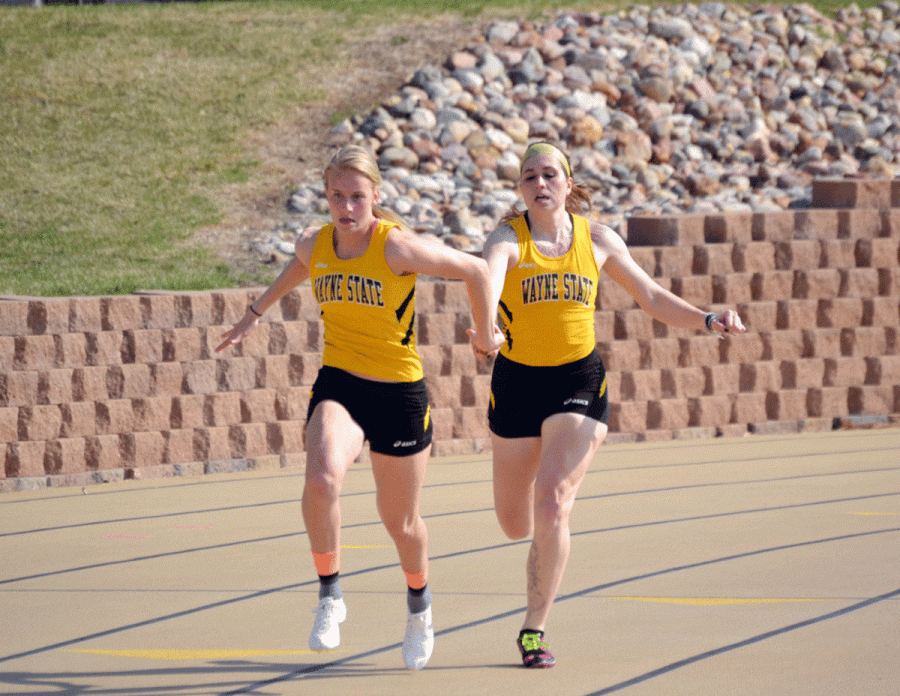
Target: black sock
[329, 586]
[418, 600]
[530, 630]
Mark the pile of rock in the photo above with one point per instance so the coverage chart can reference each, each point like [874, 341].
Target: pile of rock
[695, 108]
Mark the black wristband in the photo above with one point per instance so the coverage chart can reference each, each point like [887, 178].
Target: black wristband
[708, 320]
[250, 307]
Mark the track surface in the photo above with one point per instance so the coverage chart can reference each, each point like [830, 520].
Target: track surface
[761, 565]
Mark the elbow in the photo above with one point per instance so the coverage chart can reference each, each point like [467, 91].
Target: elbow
[476, 271]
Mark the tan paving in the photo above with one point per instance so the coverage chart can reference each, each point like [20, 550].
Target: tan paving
[762, 565]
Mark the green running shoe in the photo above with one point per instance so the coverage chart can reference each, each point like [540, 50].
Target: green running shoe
[534, 650]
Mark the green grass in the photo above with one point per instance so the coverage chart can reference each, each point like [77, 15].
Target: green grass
[122, 126]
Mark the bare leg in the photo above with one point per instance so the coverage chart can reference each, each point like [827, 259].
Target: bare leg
[398, 482]
[516, 463]
[333, 441]
[569, 442]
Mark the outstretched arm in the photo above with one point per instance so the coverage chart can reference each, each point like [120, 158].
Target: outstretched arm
[406, 253]
[661, 304]
[294, 273]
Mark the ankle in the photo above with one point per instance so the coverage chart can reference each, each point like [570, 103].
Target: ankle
[419, 600]
[330, 586]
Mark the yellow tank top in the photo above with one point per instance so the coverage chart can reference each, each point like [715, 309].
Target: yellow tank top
[368, 311]
[547, 304]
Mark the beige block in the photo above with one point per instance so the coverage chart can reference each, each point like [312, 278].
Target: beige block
[103, 452]
[25, 459]
[152, 413]
[759, 316]
[114, 416]
[860, 282]
[773, 226]
[827, 402]
[841, 253]
[85, 315]
[816, 224]
[89, 384]
[179, 446]
[686, 382]
[71, 350]
[79, 419]
[55, 386]
[872, 399]
[750, 408]
[65, 456]
[668, 414]
[755, 257]
[248, 440]
[728, 228]
[258, 405]
[166, 378]
[143, 346]
[628, 416]
[34, 353]
[798, 254]
[810, 373]
[39, 422]
[638, 385]
[9, 424]
[470, 422]
[149, 448]
[157, 311]
[711, 410]
[200, 377]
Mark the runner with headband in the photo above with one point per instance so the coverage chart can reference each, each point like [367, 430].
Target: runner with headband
[549, 402]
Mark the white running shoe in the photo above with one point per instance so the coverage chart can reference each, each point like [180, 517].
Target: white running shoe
[419, 639]
[326, 630]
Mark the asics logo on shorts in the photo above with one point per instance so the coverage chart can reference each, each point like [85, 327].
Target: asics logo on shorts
[582, 402]
[405, 443]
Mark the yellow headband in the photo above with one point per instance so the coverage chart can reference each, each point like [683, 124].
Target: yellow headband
[547, 149]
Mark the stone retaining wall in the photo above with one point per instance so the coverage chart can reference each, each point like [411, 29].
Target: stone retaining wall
[96, 389]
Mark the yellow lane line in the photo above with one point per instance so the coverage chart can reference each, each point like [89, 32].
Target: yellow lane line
[715, 601]
[178, 654]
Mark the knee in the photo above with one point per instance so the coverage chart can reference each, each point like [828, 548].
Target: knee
[514, 525]
[321, 484]
[552, 507]
[403, 528]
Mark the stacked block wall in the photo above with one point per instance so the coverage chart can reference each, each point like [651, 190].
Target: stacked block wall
[102, 388]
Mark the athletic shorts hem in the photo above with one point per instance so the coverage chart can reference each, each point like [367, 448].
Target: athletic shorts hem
[524, 396]
[395, 417]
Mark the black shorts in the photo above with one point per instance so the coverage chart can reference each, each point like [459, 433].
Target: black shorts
[523, 396]
[394, 416]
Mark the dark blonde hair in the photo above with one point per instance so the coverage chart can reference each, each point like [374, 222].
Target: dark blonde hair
[358, 159]
[578, 202]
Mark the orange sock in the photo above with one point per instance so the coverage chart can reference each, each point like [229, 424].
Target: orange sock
[327, 563]
[416, 580]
